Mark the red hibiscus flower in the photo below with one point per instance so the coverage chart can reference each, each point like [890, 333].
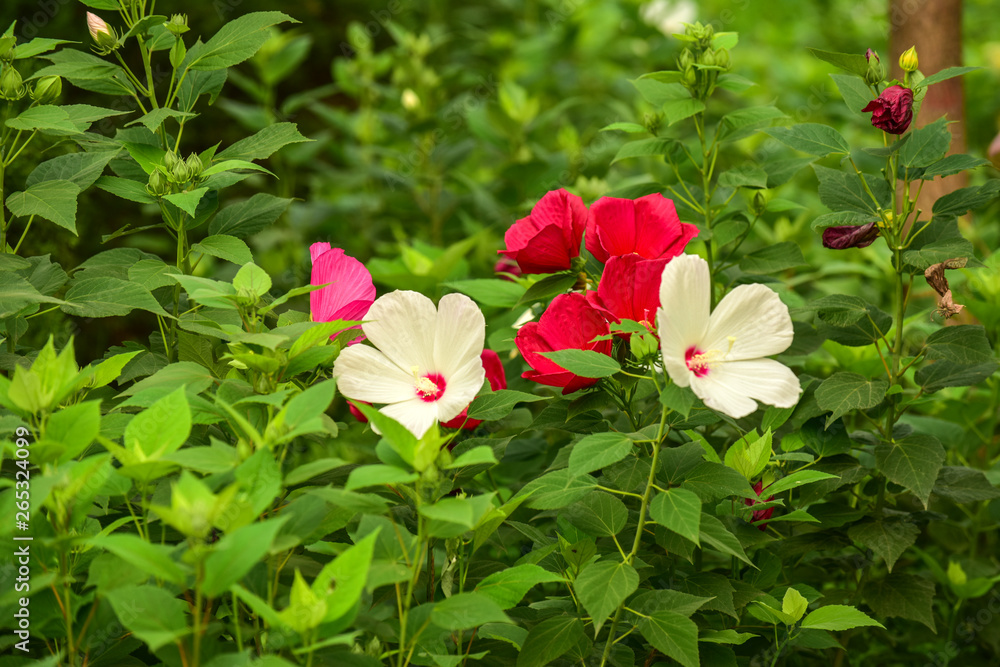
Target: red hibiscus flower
[892, 111]
[760, 515]
[570, 322]
[630, 289]
[548, 240]
[648, 227]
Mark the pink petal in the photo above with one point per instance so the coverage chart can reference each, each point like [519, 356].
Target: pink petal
[351, 283]
[317, 249]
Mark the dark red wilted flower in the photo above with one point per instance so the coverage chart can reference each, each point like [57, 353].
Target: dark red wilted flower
[850, 236]
[892, 111]
[760, 515]
[549, 238]
[494, 374]
[570, 322]
[630, 289]
[647, 226]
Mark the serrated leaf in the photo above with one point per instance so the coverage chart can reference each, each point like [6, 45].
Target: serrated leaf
[248, 217]
[604, 585]
[646, 147]
[952, 164]
[964, 344]
[838, 617]
[126, 189]
[598, 514]
[944, 75]
[717, 536]
[236, 553]
[152, 120]
[855, 63]
[153, 559]
[550, 639]
[674, 635]
[17, 293]
[225, 247]
[489, 292]
[109, 297]
[926, 145]
[678, 510]
[507, 587]
[811, 138]
[964, 485]
[596, 451]
[151, 613]
[912, 462]
[797, 479]
[856, 94]
[498, 404]
[843, 392]
[773, 258]
[53, 200]
[265, 143]
[888, 539]
[557, 489]
[467, 610]
[902, 596]
[81, 169]
[236, 41]
[187, 201]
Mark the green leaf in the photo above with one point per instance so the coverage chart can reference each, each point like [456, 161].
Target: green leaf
[42, 119]
[475, 456]
[725, 637]
[599, 514]
[677, 398]
[773, 258]
[633, 128]
[646, 147]
[489, 292]
[265, 143]
[750, 454]
[342, 580]
[74, 427]
[602, 586]
[233, 165]
[377, 475]
[17, 293]
[236, 553]
[964, 344]
[557, 489]
[888, 539]
[711, 481]
[744, 122]
[596, 451]
[744, 176]
[840, 310]
[152, 614]
[678, 510]
[715, 534]
[467, 610]
[926, 145]
[585, 363]
[550, 639]
[912, 462]
[498, 404]
[952, 164]
[674, 635]
[126, 189]
[188, 200]
[675, 111]
[811, 138]
[248, 217]
[236, 41]
[843, 392]
[964, 485]
[844, 191]
[162, 428]
[838, 617]
[252, 280]
[225, 247]
[944, 75]
[902, 596]
[108, 297]
[53, 200]
[38, 46]
[962, 201]
[855, 92]
[854, 63]
[81, 169]
[402, 441]
[155, 118]
[797, 479]
[794, 605]
[507, 587]
[153, 559]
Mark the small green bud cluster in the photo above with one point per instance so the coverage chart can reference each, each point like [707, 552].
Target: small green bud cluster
[700, 64]
[175, 174]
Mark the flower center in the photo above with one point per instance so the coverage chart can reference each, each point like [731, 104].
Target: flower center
[429, 387]
[698, 361]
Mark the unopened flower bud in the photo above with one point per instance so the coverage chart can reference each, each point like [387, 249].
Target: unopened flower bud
[871, 53]
[180, 173]
[170, 161]
[685, 60]
[11, 87]
[103, 35]
[759, 204]
[178, 24]
[7, 45]
[194, 165]
[707, 58]
[689, 78]
[908, 60]
[643, 345]
[876, 72]
[722, 59]
[157, 185]
[47, 89]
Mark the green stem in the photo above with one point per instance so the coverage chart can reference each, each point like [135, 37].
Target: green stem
[24, 234]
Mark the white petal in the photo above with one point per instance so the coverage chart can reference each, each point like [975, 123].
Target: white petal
[756, 318]
[415, 414]
[462, 386]
[402, 325]
[460, 334]
[683, 316]
[365, 374]
[730, 387]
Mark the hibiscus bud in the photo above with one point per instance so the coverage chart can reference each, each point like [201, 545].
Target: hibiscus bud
[689, 78]
[170, 161]
[507, 269]
[908, 60]
[871, 53]
[892, 111]
[11, 87]
[103, 35]
[644, 346]
[47, 89]
[759, 203]
[722, 59]
[876, 71]
[194, 166]
[685, 60]
[157, 185]
[707, 58]
[178, 24]
[410, 100]
[7, 45]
